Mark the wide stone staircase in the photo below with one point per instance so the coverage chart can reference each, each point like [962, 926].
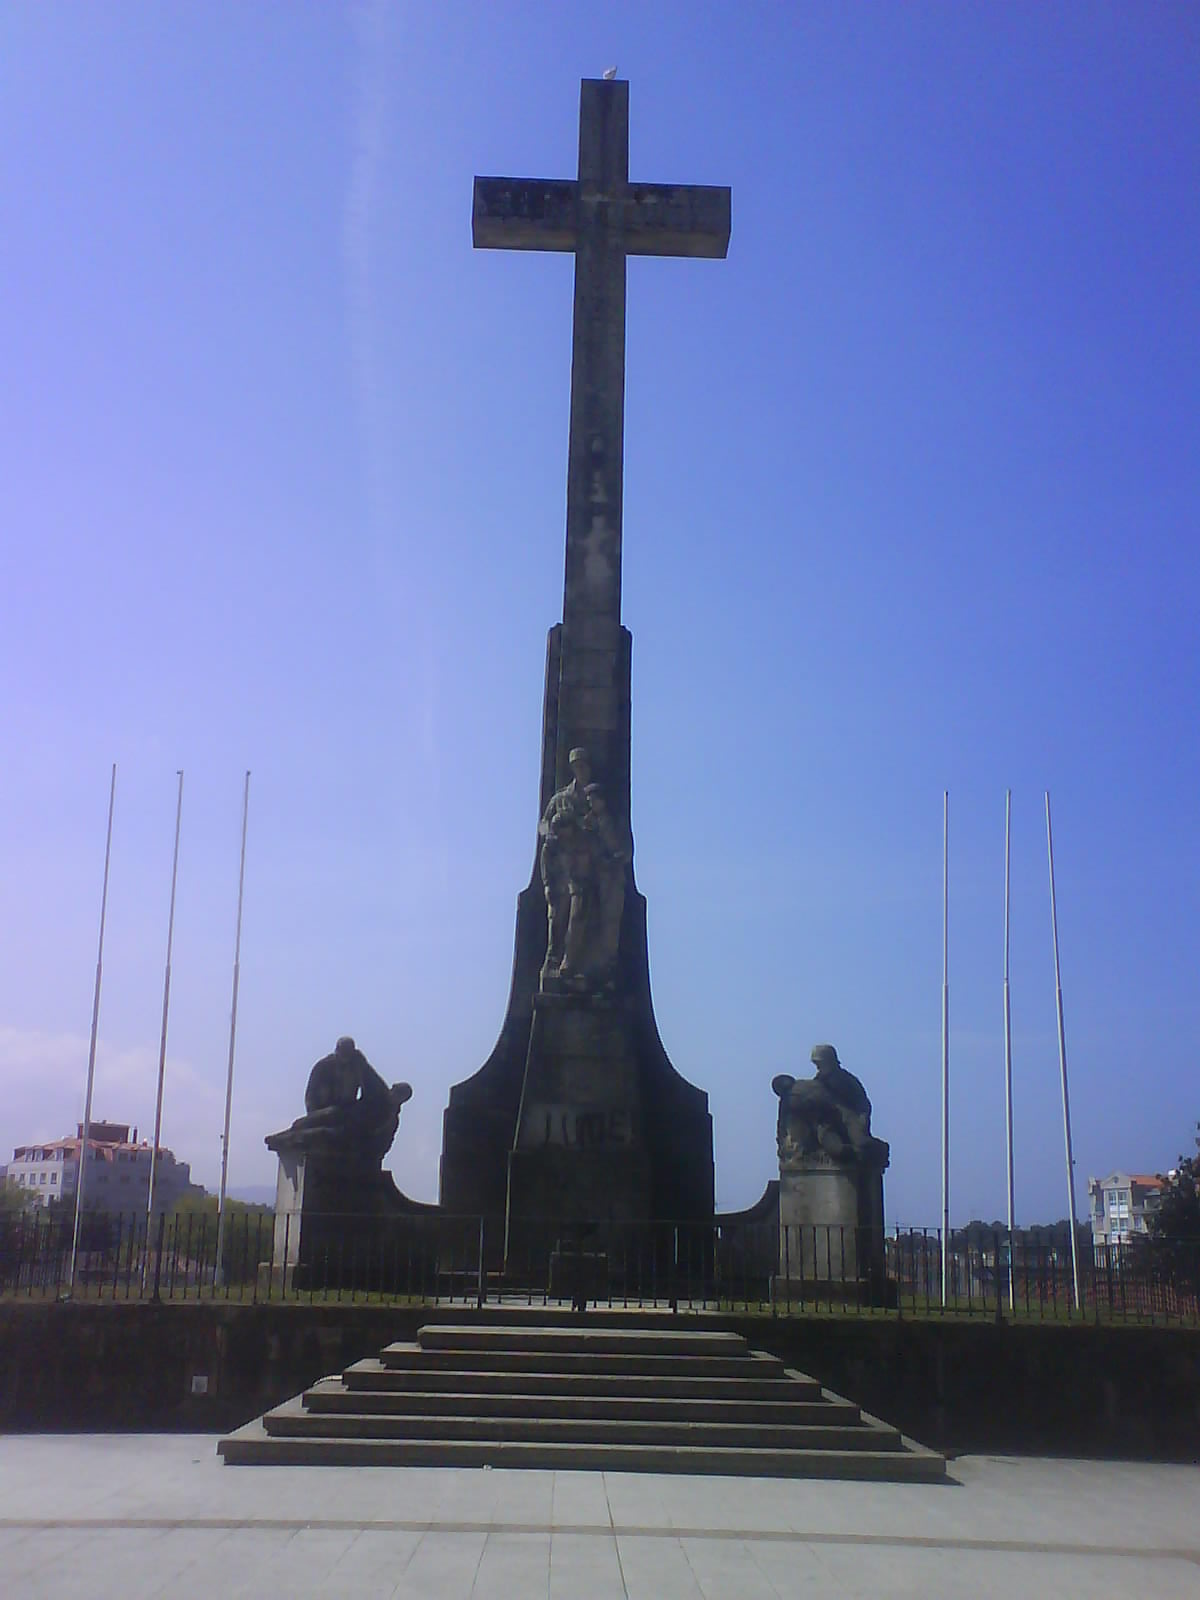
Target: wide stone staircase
[608, 1398]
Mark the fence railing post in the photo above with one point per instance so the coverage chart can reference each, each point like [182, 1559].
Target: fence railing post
[1108, 1283]
[158, 1254]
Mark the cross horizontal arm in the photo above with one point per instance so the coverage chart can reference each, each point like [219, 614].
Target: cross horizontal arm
[524, 214]
[656, 219]
[676, 220]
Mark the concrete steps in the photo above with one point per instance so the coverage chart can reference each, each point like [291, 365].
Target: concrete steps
[373, 1376]
[408, 1356]
[628, 1399]
[580, 1341]
[332, 1395]
[294, 1419]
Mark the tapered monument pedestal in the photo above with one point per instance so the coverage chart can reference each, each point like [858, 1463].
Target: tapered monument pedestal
[590, 1062]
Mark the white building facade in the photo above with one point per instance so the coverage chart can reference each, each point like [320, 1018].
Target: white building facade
[1122, 1205]
[118, 1175]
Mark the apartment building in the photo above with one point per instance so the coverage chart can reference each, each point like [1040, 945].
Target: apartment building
[118, 1173]
[1122, 1205]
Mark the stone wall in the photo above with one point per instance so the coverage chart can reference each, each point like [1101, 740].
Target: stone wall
[1118, 1391]
[1115, 1391]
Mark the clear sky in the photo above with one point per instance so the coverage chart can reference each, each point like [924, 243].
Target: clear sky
[912, 491]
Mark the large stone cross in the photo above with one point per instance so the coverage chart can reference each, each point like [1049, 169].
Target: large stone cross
[602, 218]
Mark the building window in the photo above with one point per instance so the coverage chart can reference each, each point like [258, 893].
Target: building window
[54, 1177]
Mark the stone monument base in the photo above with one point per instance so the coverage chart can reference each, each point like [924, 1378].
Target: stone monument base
[830, 1222]
[337, 1226]
[877, 1289]
[580, 1154]
[578, 1275]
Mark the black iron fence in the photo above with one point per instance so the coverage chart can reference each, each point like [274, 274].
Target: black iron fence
[431, 1258]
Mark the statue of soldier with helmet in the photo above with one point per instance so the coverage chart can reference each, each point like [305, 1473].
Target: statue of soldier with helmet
[828, 1115]
[831, 1170]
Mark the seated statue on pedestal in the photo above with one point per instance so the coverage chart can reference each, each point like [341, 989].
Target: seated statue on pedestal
[350, 1112]
[828, 1115]
[584, 862]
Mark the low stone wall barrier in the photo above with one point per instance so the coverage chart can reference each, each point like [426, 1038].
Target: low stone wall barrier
[976, 1386]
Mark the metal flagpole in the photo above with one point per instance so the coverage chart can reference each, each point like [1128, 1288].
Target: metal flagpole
[1062, 1063]
[1008, 1109]
[162, 1038]
[91, 1072]
[218, 1273]
[945, 1039]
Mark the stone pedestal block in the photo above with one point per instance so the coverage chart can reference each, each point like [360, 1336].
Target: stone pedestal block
[580, 1153]
[289, 1211]
[578, 1276]
[337, 1225]
[830, 1222]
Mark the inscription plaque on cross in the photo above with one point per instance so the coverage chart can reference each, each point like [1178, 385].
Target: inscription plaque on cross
[602, 218]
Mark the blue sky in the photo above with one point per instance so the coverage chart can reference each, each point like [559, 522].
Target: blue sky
[911, 504]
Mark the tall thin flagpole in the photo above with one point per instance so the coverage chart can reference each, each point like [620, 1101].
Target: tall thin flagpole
[237, 961]
[162, 1038]
[91, 1072]
[1008, 1107]
[1062, 1063]
[945, 1039]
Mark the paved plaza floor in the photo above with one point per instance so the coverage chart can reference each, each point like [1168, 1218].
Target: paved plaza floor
[137, 1515]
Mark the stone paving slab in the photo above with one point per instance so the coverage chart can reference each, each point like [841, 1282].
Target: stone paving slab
[138, 1516]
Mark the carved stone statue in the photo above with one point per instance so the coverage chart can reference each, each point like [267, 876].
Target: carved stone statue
[584, 864]
[831, 1170]
[826, 1116]
[350, 1112]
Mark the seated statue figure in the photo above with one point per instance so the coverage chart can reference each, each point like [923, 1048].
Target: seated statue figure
[828, 1115]
[349, 1109]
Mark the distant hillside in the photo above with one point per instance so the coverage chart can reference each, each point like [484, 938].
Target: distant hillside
[255, 1194]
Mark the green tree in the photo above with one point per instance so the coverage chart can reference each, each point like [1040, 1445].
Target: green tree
[190, 1232]
[13, 1199]
[1173, 1242]
[1178, 1214]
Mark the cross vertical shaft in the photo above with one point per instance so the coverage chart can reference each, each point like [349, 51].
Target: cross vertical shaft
[602, 218]
[592, 585]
